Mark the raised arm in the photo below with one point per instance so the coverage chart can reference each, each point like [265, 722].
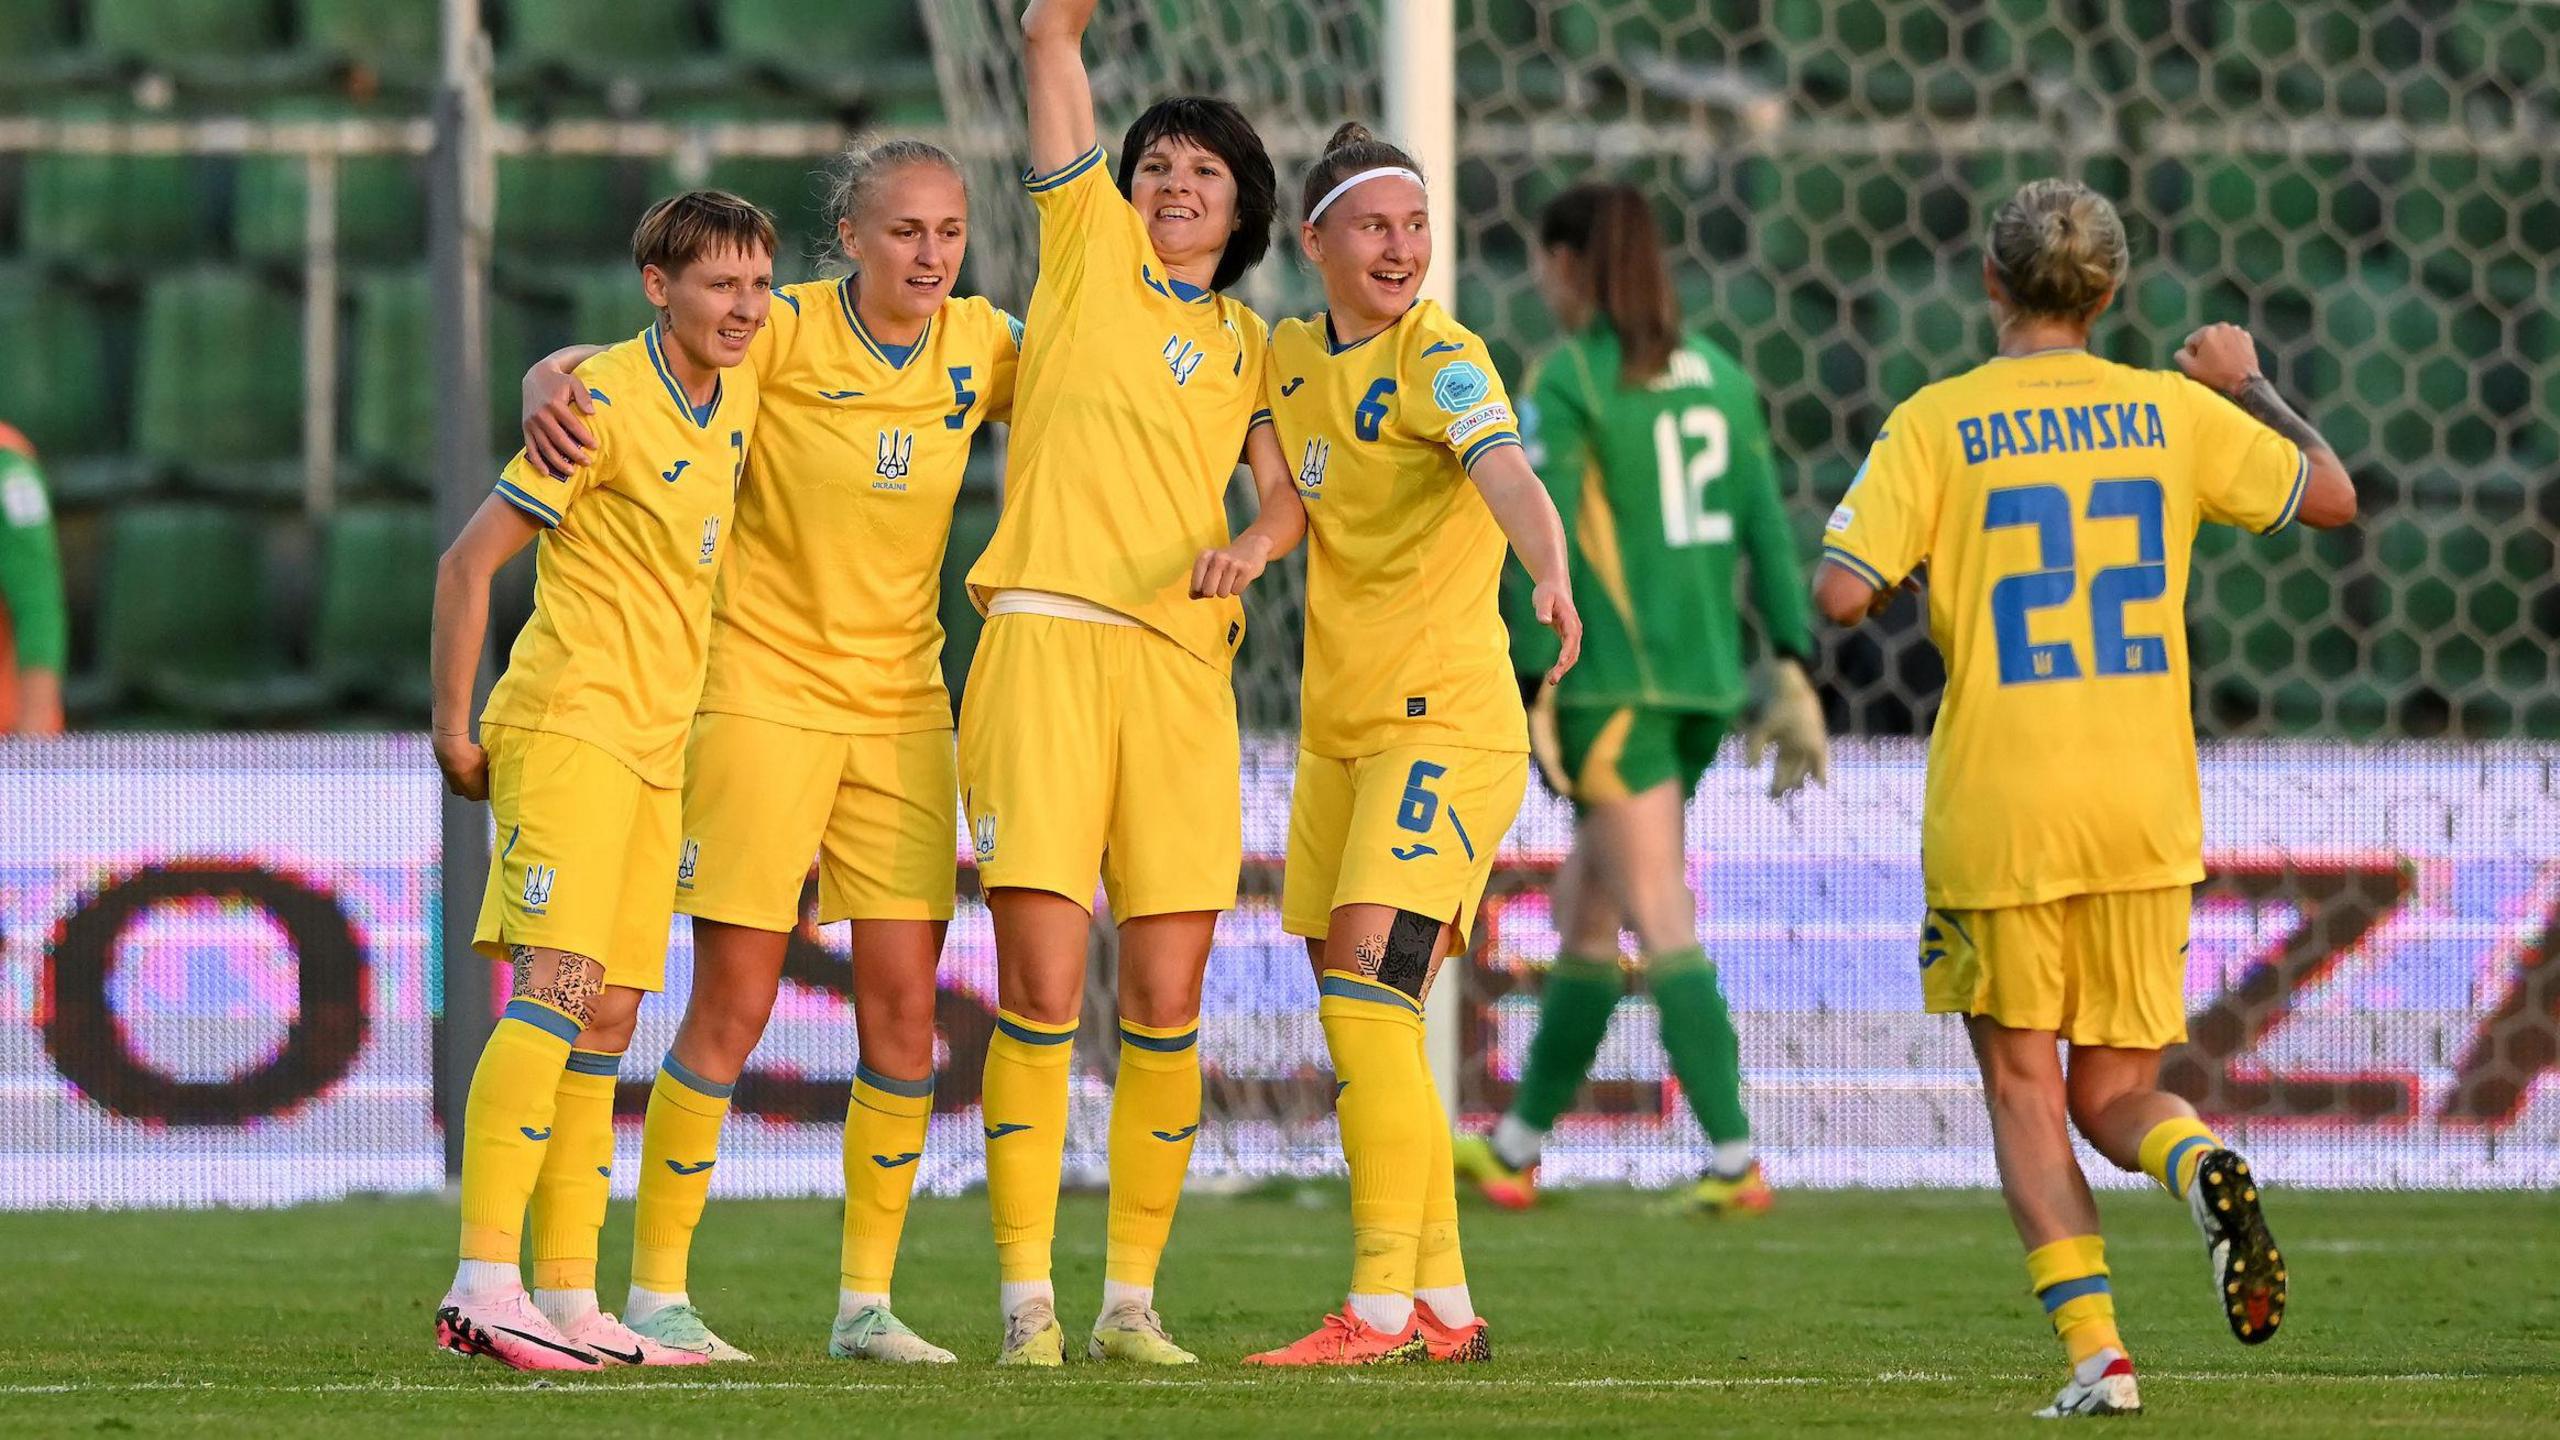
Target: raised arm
[2224, 358]
[1528, 518]
[1056, 89]
[1274, 532]
[493, 536]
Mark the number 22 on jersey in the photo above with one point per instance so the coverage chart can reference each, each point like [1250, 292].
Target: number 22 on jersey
[2046, 509]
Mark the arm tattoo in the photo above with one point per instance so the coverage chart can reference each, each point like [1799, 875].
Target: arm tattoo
[2257, 398]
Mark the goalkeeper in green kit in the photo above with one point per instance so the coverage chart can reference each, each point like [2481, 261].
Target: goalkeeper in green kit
[1659, 461]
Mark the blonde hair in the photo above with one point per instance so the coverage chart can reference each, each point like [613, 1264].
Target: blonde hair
[2058, 247]
[858, 179]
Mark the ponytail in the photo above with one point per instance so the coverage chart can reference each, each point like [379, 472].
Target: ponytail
[1610, 226]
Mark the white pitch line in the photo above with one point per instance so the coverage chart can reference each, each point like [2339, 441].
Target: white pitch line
[1677, 1382]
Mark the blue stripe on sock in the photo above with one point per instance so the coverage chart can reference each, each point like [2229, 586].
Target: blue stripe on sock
[595, 1062]
[2177, 1153]
[674, 1070]
[2063, 1292]
[912, 1089]
[1028, 1036]
[1183, 1041]
[1350, 988]
[543, 1018]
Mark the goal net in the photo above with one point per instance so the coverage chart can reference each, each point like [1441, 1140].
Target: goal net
[2371, 193]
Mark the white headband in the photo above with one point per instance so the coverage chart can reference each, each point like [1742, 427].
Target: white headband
[1363, 178]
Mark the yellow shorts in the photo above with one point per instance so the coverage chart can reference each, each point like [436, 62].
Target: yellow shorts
[761, 798]
[1101, 751]
[2096, 969]
[585, 859]
[1414, 827]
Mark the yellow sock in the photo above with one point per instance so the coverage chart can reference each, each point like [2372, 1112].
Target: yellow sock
[1380, 1101]
[577, 1175]
[1023, 1103]
[2070, 1277]
[679, 1143]
[2173, 1150]
[1155, 1116]
[884, 1125]
[1441, 1266]
[506, 1125]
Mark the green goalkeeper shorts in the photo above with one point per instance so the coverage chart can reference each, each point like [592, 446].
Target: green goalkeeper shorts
[1593, 756]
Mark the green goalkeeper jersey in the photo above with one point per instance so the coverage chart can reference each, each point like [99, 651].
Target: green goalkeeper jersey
[30, 567]
[1662, 487]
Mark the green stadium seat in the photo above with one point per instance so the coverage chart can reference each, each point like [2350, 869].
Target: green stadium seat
[381, 212]
[184, 613]
[1927, 319]
[2507, 51]
[606, 306]
[376, 586]
[1503, 52]
[1733, 306]
[558, 210]
[828, 48]
[602, 40]
[37, 49]
[183, 35]
[1503, 306]
[61, 391]
[2265, 215]
[792, 190]
[116, 215]
[218, 392]
[396, 41]
[392, 427]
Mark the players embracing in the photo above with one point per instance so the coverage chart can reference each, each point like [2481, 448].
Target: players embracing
[1098, 737]
[824, 727]
[1413, 751]
[581, 757]
[2053, 498]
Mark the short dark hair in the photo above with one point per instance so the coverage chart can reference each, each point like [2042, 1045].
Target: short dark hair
[683, 228]
[1221, 129]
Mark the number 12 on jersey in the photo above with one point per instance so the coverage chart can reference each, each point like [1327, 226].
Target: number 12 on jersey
[1686, 474]
[2015, 598]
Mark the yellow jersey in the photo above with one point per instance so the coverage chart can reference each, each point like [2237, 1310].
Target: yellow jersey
[623, 570]
[825, 617]
[1129, 420]
[1405, 641]
[2055, 498]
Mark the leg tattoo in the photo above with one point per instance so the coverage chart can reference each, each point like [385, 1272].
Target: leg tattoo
[575, 982]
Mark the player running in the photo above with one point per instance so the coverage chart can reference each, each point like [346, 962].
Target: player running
[584, 753]
[2054, 498]
[1654, 447]
[1413, 751]
[1098, 731]
[824, 727]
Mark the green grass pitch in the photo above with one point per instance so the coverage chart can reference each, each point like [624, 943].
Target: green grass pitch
[2412, 1314]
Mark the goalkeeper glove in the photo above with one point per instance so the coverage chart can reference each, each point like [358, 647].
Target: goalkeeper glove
[1791, 721]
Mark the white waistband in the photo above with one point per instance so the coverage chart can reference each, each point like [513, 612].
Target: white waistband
[1014, 601]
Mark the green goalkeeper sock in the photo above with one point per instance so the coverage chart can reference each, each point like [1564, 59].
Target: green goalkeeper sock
[1572, 1016]
[1697, 1033]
